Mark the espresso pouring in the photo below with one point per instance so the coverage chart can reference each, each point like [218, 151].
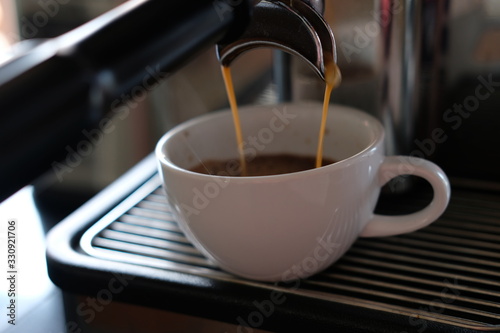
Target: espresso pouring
[274, 164]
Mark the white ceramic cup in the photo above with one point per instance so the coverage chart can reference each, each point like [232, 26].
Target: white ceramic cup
[288, 226]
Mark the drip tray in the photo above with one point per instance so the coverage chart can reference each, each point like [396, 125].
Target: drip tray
[443, 278]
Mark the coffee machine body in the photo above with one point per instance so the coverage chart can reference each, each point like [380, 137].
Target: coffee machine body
[429, 70]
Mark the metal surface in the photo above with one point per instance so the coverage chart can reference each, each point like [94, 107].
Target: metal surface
[445, 274]
[429, 70]
[293, 26]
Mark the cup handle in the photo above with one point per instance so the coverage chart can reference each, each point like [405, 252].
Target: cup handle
[393, 166]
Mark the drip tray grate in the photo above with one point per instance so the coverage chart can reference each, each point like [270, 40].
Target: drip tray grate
[447, 273]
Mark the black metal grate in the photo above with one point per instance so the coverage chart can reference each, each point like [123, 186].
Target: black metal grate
[448, 272]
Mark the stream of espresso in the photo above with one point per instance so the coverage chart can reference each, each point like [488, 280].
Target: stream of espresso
[332, 80]
[231, 95]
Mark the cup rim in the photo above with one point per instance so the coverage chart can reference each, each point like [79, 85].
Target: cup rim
[376, 125]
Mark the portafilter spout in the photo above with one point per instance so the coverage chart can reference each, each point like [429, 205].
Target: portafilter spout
[294, 26]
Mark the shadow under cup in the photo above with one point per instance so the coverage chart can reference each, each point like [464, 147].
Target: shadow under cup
[287, 226]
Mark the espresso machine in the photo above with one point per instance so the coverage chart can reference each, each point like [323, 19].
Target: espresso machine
[429, 70]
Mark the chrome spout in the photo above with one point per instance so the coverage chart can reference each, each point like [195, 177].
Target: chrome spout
[294, 26]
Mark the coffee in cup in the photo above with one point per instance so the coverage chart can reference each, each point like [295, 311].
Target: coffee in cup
[264, 165]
